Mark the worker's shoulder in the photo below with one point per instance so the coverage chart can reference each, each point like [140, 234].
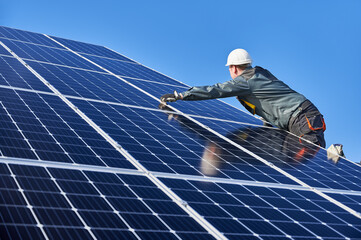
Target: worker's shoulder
[260, 72]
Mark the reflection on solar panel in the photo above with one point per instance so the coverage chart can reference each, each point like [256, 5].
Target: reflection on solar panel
[81, 158]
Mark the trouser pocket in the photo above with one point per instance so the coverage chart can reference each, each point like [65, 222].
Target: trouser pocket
[315, 123]
[312, 128]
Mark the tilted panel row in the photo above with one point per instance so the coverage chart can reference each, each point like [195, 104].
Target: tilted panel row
[55, 203]
[43, 127]
[252, 212]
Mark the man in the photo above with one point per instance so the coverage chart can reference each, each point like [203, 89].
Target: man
[263, 94]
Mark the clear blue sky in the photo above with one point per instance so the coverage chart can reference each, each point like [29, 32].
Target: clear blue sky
[314, 46]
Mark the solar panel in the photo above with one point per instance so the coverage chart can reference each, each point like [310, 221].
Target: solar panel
[85, 153]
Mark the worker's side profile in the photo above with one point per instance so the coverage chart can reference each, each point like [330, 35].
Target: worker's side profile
[263, 94]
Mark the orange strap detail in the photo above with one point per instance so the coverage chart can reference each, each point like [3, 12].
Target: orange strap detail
[314, 129]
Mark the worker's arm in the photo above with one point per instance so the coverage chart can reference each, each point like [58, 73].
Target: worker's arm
[236, 87]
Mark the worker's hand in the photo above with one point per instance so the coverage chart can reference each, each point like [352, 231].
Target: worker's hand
[171, 97]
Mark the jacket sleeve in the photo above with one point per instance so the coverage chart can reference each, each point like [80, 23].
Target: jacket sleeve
[236, 87]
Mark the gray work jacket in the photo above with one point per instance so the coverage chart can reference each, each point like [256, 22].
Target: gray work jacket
[273, 99]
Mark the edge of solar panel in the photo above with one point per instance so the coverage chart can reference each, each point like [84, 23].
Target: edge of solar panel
[4, 28]
[266, 231]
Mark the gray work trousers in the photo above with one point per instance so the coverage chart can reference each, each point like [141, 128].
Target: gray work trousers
[308, 123]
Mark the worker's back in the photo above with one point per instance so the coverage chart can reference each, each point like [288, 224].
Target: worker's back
[274, 100]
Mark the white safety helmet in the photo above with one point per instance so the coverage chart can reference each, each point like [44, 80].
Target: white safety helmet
[239, 57]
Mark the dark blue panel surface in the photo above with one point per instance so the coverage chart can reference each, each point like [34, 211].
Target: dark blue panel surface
[175, 145]
[303, 160]
[3, 51]
[16, 220]
[243, 211]
[91, 49]
[352, 201]
[48, 54]
[50, 130]
[27, 36]
[15, 74]
[66, 202]
[86, 84]
[133, 70]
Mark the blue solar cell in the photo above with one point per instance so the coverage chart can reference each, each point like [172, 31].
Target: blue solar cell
[38, 140]
[114, 234]
[92, 85]
[3, 51]
[48, 54]
[91, 49]
[352, 201]
[255, 210]
[20, 232]
[132, 70]
[14, 74]
[60, 232]
[55, 210]
[26, 36]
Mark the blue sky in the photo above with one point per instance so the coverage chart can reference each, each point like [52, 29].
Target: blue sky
[313, 46]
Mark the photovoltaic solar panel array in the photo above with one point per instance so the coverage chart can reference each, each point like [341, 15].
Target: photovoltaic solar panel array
[87, 154]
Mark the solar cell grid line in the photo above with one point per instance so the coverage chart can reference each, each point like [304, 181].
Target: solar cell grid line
[228, 214]
[13, 73]
[102, 133]
[154, 201]
[91, 109]
[26, 36]
[283, 149]
[54, 131]
[128, 69]
[97, 215]
[91, 49]
[172, 79]
[299, 213]
[133, 197]
[27, 207]
[91, 85]
[30, 151]
[47, 54]
[33, 180]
